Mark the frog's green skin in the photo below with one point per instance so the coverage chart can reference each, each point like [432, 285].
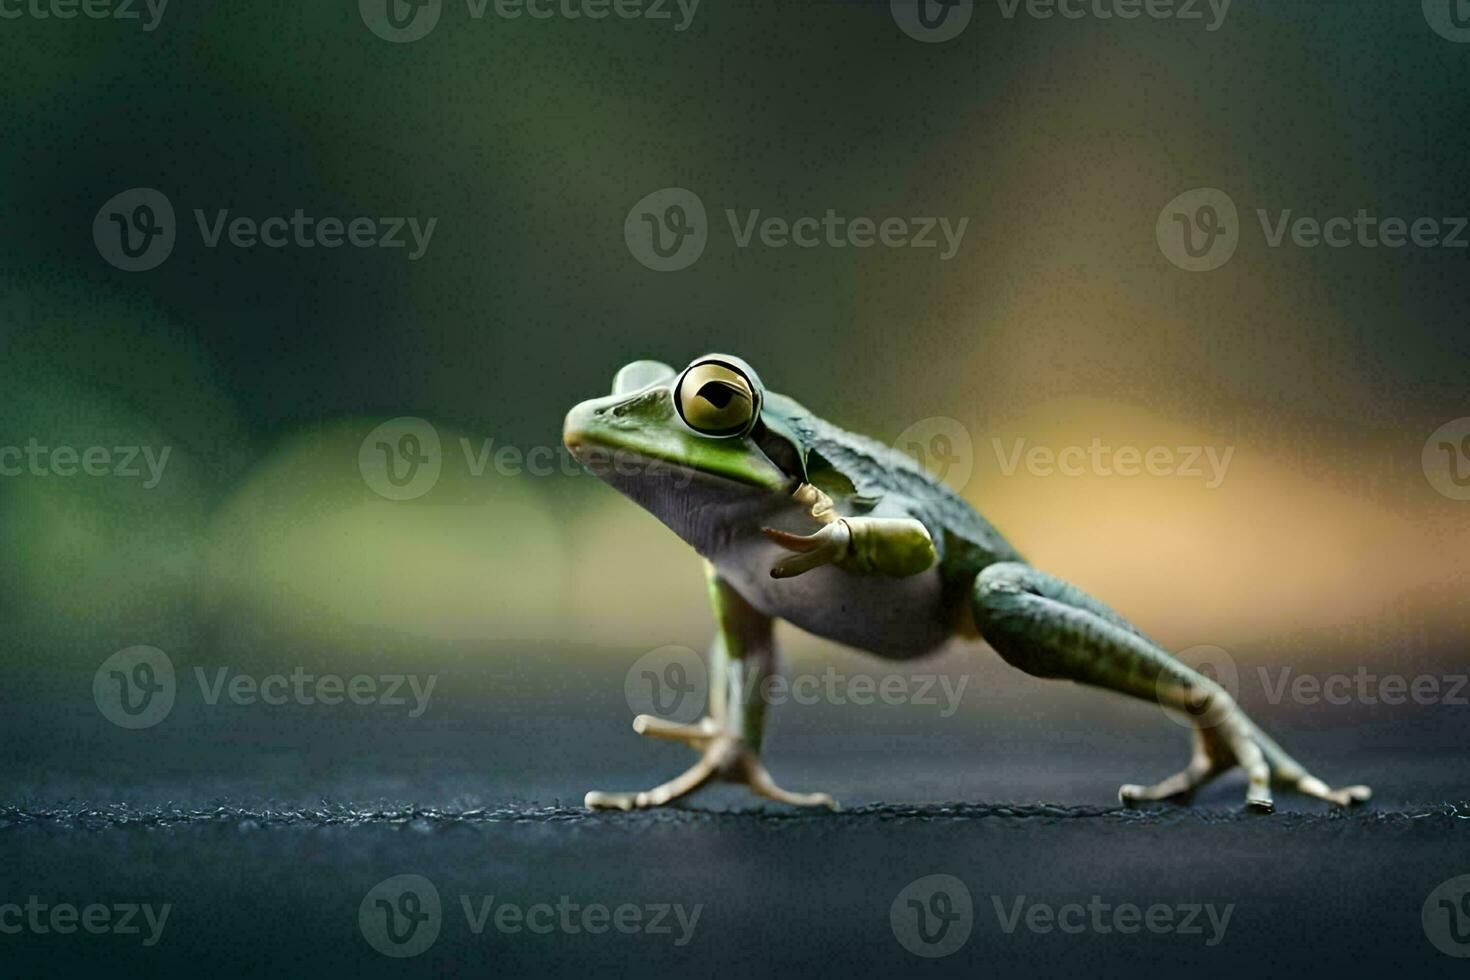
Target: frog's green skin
[840, 535]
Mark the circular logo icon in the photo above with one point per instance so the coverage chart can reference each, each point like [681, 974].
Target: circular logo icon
[667, 230]
[1446, 459]
[1446, 917]
[400, 916]
[932, 917]
[135, 230]
[1218, 665]
[942, 446]
[1198, 230]
[932, 21]
[670, 682]
[401, 459]
[135, 688]
[400, 21]
[1449, 18]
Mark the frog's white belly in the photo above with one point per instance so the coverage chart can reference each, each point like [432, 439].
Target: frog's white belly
[891, 617]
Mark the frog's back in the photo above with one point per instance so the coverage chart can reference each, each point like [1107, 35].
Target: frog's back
[883, 476]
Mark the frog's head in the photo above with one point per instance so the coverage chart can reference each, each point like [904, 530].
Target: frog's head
[689, 445]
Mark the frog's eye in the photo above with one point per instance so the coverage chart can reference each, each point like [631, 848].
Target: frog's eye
[717, 399]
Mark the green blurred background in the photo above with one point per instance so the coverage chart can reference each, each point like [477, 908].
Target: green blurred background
[1059, 320]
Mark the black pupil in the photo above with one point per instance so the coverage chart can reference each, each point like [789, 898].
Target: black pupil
[717, 393]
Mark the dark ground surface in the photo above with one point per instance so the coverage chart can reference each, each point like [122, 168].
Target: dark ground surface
[266, 830]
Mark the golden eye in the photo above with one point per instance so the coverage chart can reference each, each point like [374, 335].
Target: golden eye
[716, 400]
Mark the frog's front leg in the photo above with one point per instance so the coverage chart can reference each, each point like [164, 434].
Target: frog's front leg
[729, 739]
[894, 546]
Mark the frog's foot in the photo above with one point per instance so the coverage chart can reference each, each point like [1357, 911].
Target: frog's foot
[761, 783]
[1234, 740]
[1201, 769]
[723, 757]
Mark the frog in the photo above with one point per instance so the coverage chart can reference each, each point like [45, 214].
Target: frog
[850, 539]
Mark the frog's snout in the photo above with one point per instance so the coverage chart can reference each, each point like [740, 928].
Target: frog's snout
[576, 429]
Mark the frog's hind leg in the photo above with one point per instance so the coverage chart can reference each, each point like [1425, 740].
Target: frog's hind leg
[1049, 628]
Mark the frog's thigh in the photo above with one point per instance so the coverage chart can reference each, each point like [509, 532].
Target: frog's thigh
[1048, 628]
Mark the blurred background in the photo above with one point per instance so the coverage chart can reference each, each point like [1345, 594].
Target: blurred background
[1329, 380]
[1058, 321]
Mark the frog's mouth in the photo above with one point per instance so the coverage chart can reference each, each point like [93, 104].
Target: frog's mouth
[629, 441]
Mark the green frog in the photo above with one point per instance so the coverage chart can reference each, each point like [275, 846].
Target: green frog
[846, 538]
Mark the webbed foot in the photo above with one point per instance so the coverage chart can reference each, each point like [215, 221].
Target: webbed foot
[1235, 742]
